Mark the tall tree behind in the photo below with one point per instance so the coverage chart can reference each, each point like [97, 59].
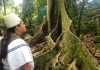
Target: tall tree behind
[27, 11]
[0, 4]
[4, 5]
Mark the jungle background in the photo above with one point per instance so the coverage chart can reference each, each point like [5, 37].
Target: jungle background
[62, 34]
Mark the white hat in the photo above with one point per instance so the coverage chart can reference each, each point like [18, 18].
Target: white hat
[11, 20]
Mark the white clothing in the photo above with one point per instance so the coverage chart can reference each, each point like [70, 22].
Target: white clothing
[0, 42]
[1, 37]
[19, 53]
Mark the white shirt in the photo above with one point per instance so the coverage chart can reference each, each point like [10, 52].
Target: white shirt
[19, 53]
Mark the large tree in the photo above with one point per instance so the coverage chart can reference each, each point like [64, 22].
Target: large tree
[55, 47]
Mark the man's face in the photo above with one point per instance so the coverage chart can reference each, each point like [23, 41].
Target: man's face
[21, 28]
[2, 32]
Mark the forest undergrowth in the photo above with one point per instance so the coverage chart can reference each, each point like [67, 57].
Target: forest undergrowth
[87, 39]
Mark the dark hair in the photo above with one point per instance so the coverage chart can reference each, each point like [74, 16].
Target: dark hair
[5, 42]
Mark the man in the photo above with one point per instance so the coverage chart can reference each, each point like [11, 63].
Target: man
[16, 54]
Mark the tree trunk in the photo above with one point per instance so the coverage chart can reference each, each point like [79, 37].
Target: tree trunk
[4, 5]
[79, 18]
[60, 49]
[48, 14]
